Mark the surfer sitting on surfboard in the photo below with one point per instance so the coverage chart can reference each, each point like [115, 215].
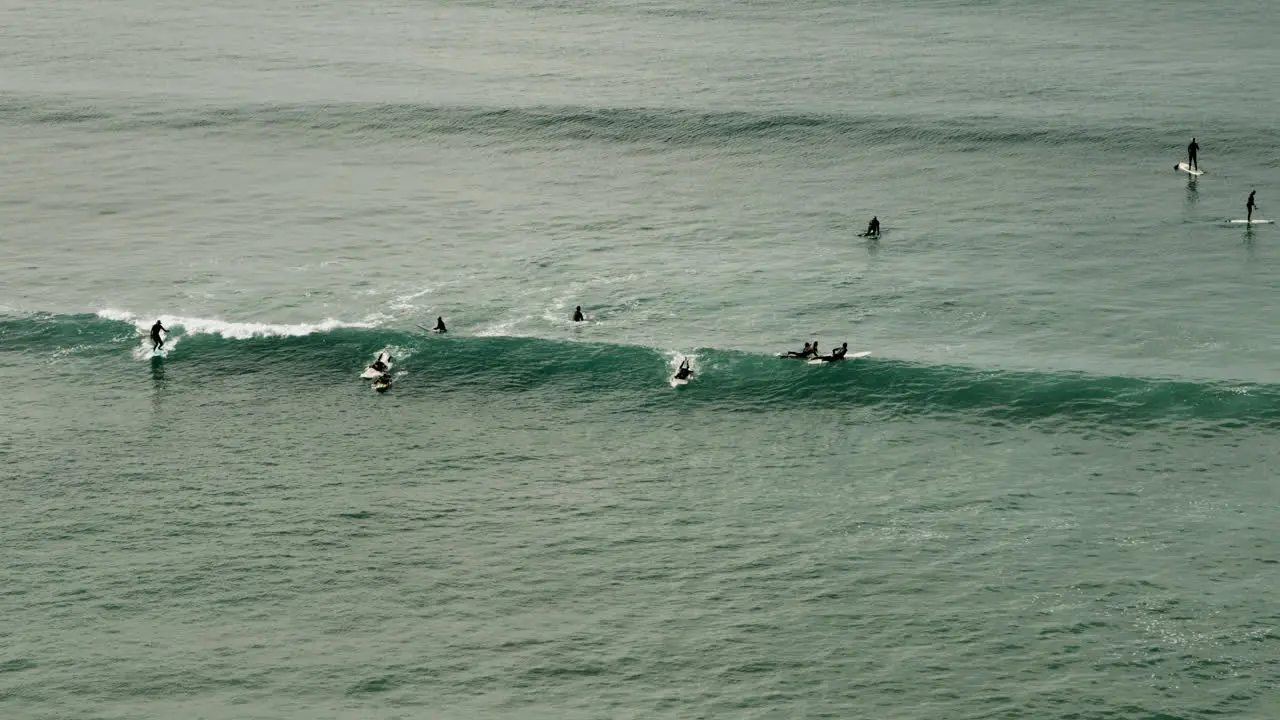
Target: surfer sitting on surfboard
[380, 365]
[439, 325]
[873, 228]
[1248, 208]
[1192, 149]
[684, 373]
[837, 354]
[158, 339]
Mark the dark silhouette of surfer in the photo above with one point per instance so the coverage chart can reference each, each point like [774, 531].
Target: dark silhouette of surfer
[577, 314]
[440, 325]
[158, 339]
[684, 373]
[1192, 150]
[837, 354]
[806, 352]
[873, 228]
[1249, 207]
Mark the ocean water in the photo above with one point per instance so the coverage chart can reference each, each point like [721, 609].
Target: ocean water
[1047, 493]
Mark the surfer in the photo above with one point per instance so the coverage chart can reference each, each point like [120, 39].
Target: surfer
[440, 325]
[1249, 207]
[802, 354]
[158, 339]
[383, 382]
[684, 373]
[873, 228]
[1192, 149]
[577, 314]
[837, 354]
[379, 364]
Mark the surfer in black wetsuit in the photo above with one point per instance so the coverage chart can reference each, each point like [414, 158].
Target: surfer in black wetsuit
[802, 354]
[156, 337]
[379, 364]
[577, 314]
[684, 373]
[1249, 206]
[873, 228]
[1192, 149]
[837, 354]
[440, 325]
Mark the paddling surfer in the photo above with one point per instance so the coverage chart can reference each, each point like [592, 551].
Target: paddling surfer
[1248, 208]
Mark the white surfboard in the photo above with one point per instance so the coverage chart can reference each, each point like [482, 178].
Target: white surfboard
[850, 356]
[369, 373]
[1252, 222]
[1189, 170]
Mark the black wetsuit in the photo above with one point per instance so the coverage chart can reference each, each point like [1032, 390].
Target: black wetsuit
[873, 229]
[837, 354]
[1192, 149]
[684, 373]
[577, 314]
[1249, 206]
[440, 325]
[156, 337]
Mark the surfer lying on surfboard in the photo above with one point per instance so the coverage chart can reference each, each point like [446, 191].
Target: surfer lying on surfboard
[808, 351]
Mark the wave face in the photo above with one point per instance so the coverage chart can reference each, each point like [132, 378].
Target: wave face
[332, 352]
[607, 125]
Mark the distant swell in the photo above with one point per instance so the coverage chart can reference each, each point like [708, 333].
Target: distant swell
[648, 126]
[636, 376]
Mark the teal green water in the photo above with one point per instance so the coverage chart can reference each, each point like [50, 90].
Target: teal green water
[1047, 493]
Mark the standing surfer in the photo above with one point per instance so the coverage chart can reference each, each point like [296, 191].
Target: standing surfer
[1192, 150]
[1249, 206]
[158, 340]
[873, 228]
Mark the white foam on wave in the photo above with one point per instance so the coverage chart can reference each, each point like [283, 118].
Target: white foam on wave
[405, 302]
[180, 327]
[501, 328]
